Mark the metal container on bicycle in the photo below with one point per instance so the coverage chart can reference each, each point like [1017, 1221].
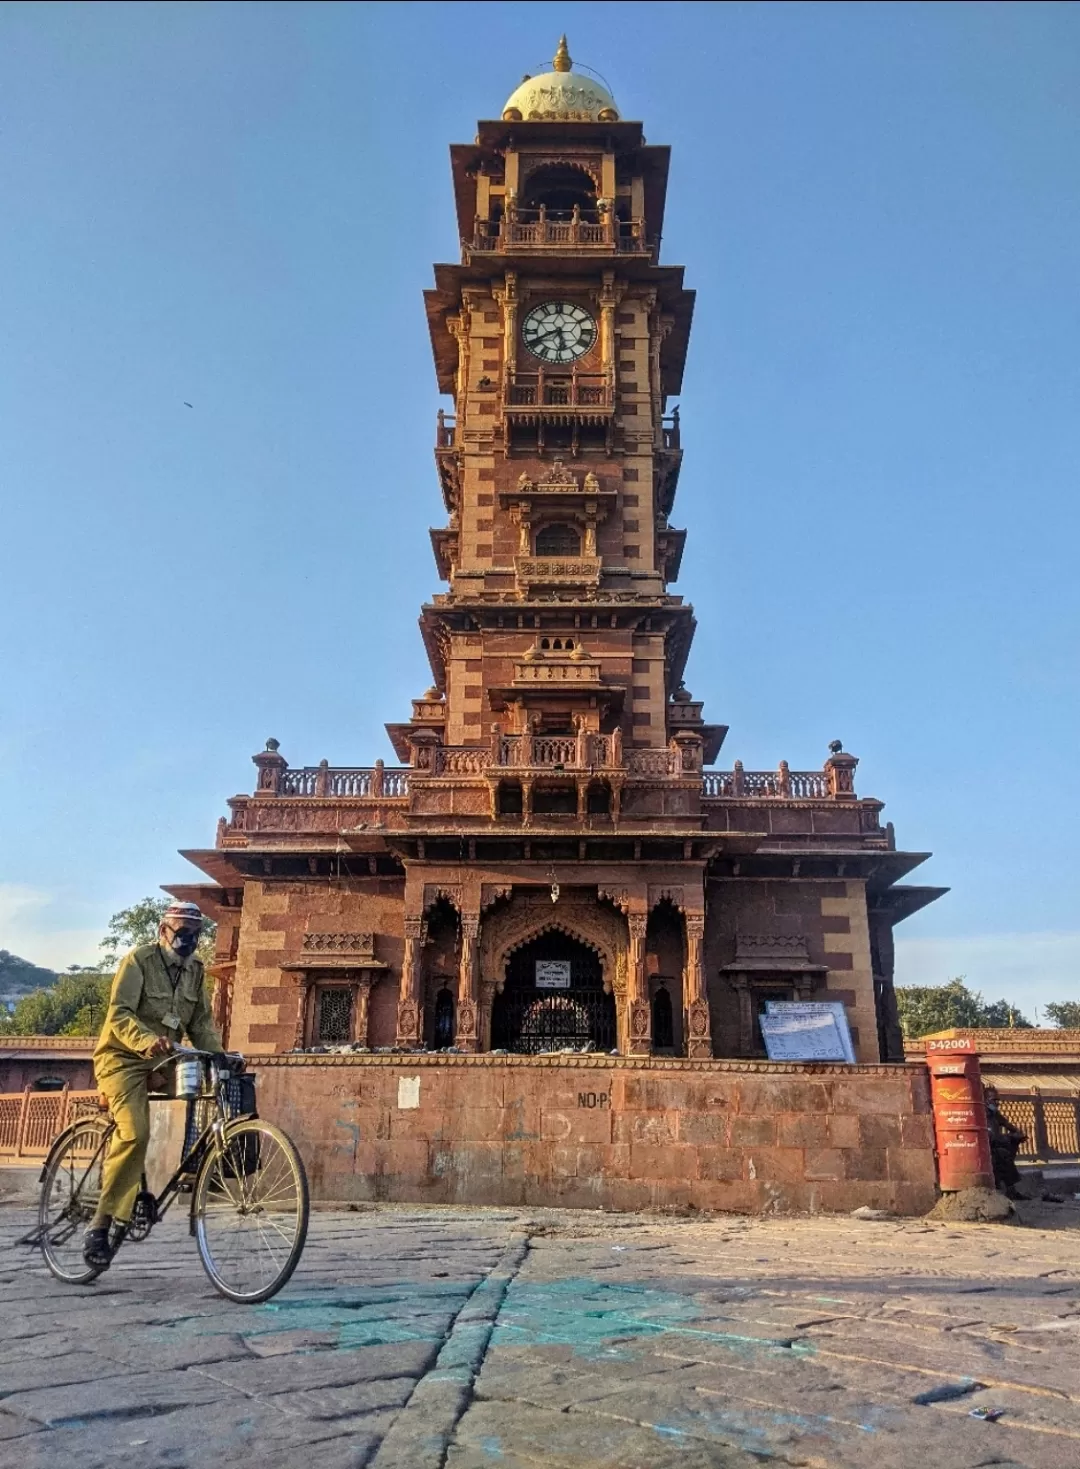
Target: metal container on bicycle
[186, 1082]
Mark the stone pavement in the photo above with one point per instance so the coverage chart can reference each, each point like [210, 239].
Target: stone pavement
[497, 1339]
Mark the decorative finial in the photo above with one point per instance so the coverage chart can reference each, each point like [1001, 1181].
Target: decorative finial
[836, 747]
[562, 60]
[273, 746]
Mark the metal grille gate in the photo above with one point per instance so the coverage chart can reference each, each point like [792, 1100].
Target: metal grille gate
[527, 1019]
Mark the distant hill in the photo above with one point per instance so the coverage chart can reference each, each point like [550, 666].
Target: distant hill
[19, 977]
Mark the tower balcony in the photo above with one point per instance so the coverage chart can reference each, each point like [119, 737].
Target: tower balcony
[448, 460]
[541, 230]
[558, 573]
[548, 395]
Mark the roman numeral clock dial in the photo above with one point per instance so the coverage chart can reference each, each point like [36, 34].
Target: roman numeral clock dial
[558, 332]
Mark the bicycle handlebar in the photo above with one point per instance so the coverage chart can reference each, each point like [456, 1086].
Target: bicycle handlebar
[188, 1053]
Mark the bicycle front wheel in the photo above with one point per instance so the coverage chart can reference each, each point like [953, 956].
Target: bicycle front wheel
[70, 1190]
[251, 1211]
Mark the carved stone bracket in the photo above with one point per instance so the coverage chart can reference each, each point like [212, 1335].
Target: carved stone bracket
[491, 893]
[450, 892]
[619, 896]
[673, 895]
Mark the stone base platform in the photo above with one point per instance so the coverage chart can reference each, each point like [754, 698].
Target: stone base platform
[607, 1132]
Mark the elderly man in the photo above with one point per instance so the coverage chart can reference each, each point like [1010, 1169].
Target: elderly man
[157, 996]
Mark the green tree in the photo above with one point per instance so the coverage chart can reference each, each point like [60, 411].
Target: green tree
[1064, 1013]
[925, 1009]
[74, 1005]
[139, 925]
[77, 1002]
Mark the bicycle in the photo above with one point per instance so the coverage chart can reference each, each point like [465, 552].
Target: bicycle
[249, 1193]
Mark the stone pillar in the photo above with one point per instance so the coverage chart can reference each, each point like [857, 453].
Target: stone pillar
[697, 1021]
[488, 990]
[840, 770]
[607, 299]
[640, 1038]
[221, 1005]
[271, 767]
[746, 1013]
[409, 1017]
[466, 1036]
[509, 295]
[361, 1010]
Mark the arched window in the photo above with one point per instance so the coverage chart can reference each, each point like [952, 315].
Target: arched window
[444, 1019]
[663, 1026]
[558, 540]
[558, 187]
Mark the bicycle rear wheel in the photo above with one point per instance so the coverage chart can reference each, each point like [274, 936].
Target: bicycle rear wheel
[70, 1190]
[251, 1211]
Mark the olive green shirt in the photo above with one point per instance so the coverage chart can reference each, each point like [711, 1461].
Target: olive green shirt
[147, 988]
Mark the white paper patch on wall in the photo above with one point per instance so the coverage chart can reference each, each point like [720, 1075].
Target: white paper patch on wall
[408, 1091]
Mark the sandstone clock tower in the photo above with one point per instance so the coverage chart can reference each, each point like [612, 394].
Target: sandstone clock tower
[553, 864]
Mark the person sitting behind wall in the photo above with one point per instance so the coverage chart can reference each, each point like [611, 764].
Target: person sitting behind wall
[1006, 1139]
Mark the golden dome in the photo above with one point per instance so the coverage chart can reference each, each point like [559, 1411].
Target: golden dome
[560, 95]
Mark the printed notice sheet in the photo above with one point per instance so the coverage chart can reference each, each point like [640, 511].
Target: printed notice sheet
[803, 1037]
[815, 1007]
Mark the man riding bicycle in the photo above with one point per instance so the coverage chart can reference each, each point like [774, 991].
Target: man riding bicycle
[157, 995]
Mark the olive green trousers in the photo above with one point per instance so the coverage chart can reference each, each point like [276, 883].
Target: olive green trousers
[122, 1170]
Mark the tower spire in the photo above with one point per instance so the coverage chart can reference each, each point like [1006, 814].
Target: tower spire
[562, 60]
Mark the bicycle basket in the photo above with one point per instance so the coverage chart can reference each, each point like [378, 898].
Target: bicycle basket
[240, 1096]
[240, 1102]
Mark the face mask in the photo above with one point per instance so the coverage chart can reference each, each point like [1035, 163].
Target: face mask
[184, 943]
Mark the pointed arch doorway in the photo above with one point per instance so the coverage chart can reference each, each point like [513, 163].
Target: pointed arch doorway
[553, 998]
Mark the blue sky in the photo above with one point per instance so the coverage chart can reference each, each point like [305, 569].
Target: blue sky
[237, 206]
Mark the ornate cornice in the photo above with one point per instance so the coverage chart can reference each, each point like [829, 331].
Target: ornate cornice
[593, 1061]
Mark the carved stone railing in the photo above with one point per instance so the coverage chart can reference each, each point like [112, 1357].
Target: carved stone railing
[666, 762]
[670, 434]
[538, 230]
[557, 571]
[461, 760]
[445, 430]
[780, 784]
[569, 392]
[543, 750]
[564, 672]
[363, 782]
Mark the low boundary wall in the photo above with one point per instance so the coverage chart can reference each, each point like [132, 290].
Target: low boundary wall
[622, 1133]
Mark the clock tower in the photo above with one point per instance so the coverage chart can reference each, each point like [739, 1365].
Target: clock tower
[553, 864]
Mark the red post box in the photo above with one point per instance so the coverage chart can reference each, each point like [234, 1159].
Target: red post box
[960, 1130]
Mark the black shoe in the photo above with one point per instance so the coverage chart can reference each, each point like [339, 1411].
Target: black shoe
[97, 1251]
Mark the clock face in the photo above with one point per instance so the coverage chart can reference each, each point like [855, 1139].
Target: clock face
[558, 331]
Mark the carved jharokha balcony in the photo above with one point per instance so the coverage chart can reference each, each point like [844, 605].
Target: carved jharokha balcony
[536, 229]
[319, 798]
[559, 396]
[557, 571]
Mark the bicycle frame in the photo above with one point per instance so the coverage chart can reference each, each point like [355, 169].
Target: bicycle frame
[211, 1136]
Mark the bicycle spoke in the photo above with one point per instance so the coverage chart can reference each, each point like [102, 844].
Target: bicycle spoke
[69, 1195]
[251, 1212]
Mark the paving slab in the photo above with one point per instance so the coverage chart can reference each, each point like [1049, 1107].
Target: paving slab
[450, 1338]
